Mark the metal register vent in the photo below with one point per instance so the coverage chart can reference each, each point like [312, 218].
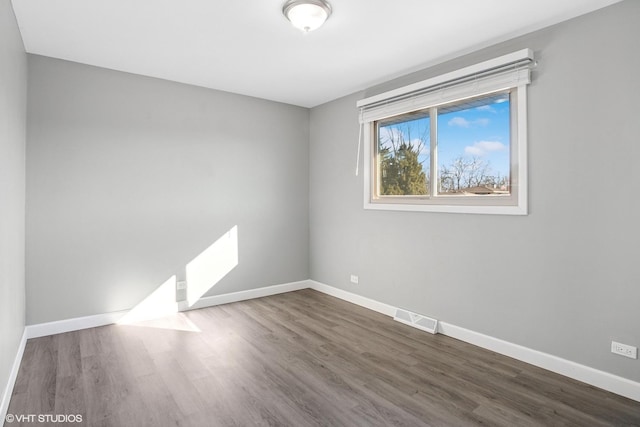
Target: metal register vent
[416, 320]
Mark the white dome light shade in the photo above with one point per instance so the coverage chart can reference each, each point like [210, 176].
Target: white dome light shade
[307, 15]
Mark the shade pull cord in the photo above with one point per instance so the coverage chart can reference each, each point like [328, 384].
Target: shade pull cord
[359, 144]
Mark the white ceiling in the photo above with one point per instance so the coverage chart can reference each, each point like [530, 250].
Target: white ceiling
[248, 47]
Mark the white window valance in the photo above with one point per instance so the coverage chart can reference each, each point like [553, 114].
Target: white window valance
[497, 74]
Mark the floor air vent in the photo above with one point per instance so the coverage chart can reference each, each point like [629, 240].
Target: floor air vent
[416, 320]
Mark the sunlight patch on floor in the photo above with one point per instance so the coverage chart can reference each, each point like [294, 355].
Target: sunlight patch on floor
[176, 321]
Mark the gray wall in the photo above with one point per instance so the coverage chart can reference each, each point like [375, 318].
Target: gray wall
[13, 109]
[129, 178]
[563, 280]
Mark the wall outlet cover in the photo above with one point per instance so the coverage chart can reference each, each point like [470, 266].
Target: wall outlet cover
[624, 350]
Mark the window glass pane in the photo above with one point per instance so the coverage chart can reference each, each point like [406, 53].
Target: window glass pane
[473, 146]
[403, 150]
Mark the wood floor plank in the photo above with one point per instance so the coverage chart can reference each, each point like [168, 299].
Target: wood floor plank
[296, 359]
[43, 375]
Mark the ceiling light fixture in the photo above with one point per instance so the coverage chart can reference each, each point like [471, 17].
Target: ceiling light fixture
[307, 15]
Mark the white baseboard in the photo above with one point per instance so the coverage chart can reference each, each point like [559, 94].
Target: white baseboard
[586, 374]
[583, 373]
[78, 323]
[604, 380]
[13, 375]
[353, 298]
[75, 324]
[249, 294]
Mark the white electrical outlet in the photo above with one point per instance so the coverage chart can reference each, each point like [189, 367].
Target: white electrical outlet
[354, 279]
[624, 350]
[181, 285]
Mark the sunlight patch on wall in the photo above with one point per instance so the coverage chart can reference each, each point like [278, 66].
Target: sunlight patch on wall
[162, 302]
[215, 262]
[160, 309]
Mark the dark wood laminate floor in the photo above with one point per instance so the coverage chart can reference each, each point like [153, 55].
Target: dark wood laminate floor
[296, 359]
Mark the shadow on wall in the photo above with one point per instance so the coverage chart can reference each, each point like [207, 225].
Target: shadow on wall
[203, 273]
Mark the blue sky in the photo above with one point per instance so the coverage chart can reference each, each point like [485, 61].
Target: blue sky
[480, 131]
[476, 131]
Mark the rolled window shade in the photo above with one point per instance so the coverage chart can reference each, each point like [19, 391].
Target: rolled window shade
[501, 73]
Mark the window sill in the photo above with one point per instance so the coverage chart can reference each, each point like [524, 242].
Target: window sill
[521, 209]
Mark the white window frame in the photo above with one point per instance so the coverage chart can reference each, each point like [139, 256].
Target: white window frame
[506, 73]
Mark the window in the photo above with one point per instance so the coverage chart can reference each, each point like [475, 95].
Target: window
[471, 153]
[458, 145]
